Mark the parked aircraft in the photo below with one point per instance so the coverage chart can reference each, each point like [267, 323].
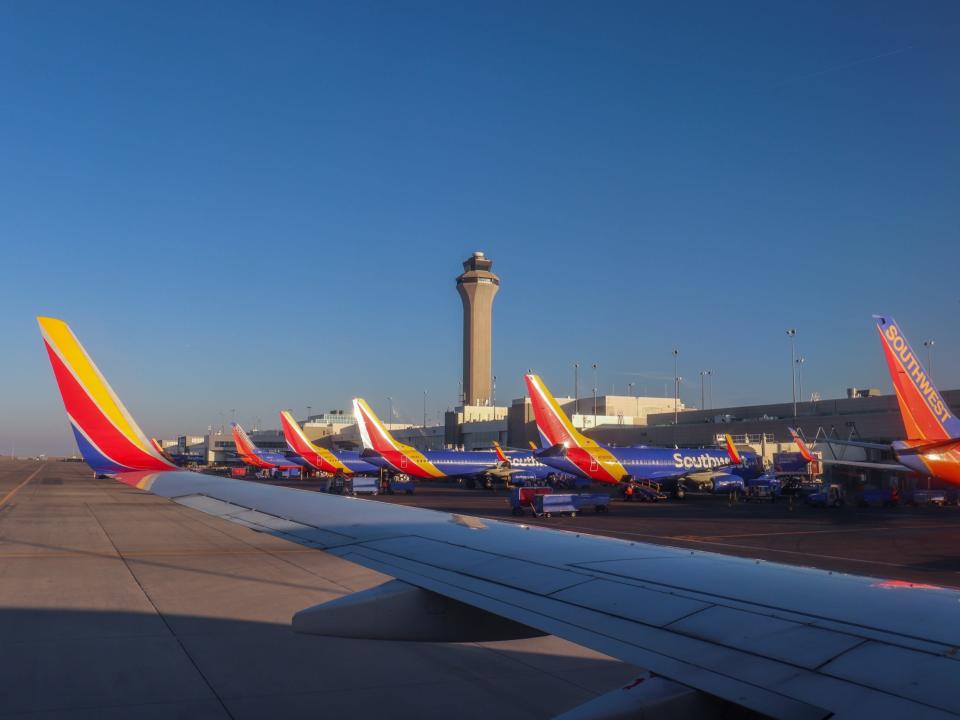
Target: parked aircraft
[159, 448]
[568, 450]
[175, 456]
[383, 450]
[336, 462]
[932, 444]
[779, 641]
[263, 459]
[527, 468]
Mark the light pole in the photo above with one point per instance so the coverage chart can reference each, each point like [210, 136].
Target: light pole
[703, 374]
[676, 386]
[928, 344]
[792, 334]
[595, 385]
[710, 388]
[576, 388]
[424, 409]
[309, 408]
[493, 392]
[630, 392]
[800, 361]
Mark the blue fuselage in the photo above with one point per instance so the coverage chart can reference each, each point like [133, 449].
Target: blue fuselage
[531, 469]
[356, 465]
[464, 463]
[281, 460]
[452, 463]
[663, 463]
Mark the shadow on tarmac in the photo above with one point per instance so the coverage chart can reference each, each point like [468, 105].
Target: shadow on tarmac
[111, 664]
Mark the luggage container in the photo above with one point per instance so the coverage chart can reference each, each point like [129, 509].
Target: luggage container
[522, 497]
[550, 504]
[364, 485]
[598, 502]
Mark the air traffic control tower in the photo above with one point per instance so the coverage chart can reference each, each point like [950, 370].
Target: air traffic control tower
[477, 286]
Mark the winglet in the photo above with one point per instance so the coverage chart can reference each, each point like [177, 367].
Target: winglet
[802, 446]
[732, 451]
[500, 455]
[107, 435]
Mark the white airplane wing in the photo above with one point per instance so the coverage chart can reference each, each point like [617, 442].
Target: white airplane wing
[784, 641]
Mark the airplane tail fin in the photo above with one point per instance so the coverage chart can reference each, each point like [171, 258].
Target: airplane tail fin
[294, 435]
[107, 435]
[732, 451]
[373, 433]
[802, 446]
[244, 444]
[552, 422]
[925, 414]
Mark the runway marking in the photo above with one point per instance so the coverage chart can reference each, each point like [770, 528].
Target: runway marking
[6, 498]
[884, 528]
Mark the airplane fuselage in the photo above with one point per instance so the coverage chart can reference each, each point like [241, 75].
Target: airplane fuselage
[617, 464]
[350, 460]
[434, 463]
[267, 460]
[941, 464]
[530, 469]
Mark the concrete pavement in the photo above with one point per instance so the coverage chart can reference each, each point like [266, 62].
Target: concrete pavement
[114, 602]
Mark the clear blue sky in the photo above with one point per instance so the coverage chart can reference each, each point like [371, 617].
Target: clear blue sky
[263, 206]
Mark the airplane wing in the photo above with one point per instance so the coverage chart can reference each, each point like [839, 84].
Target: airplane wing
[858, 443]
[890, 467]
[784, 641]
[808, 455]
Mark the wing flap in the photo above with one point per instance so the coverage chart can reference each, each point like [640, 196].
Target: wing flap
[767, 635]
[918, 676]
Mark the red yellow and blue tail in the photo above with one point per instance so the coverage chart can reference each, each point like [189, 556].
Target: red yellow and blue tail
[802, 446]
[732, 451]
[552, 422]
[107, 435]
[245, 447]
[318, 457]
[926, 416]
[377, 437]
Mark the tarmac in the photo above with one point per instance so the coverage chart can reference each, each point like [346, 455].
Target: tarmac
[115, 603]
[915, 544]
